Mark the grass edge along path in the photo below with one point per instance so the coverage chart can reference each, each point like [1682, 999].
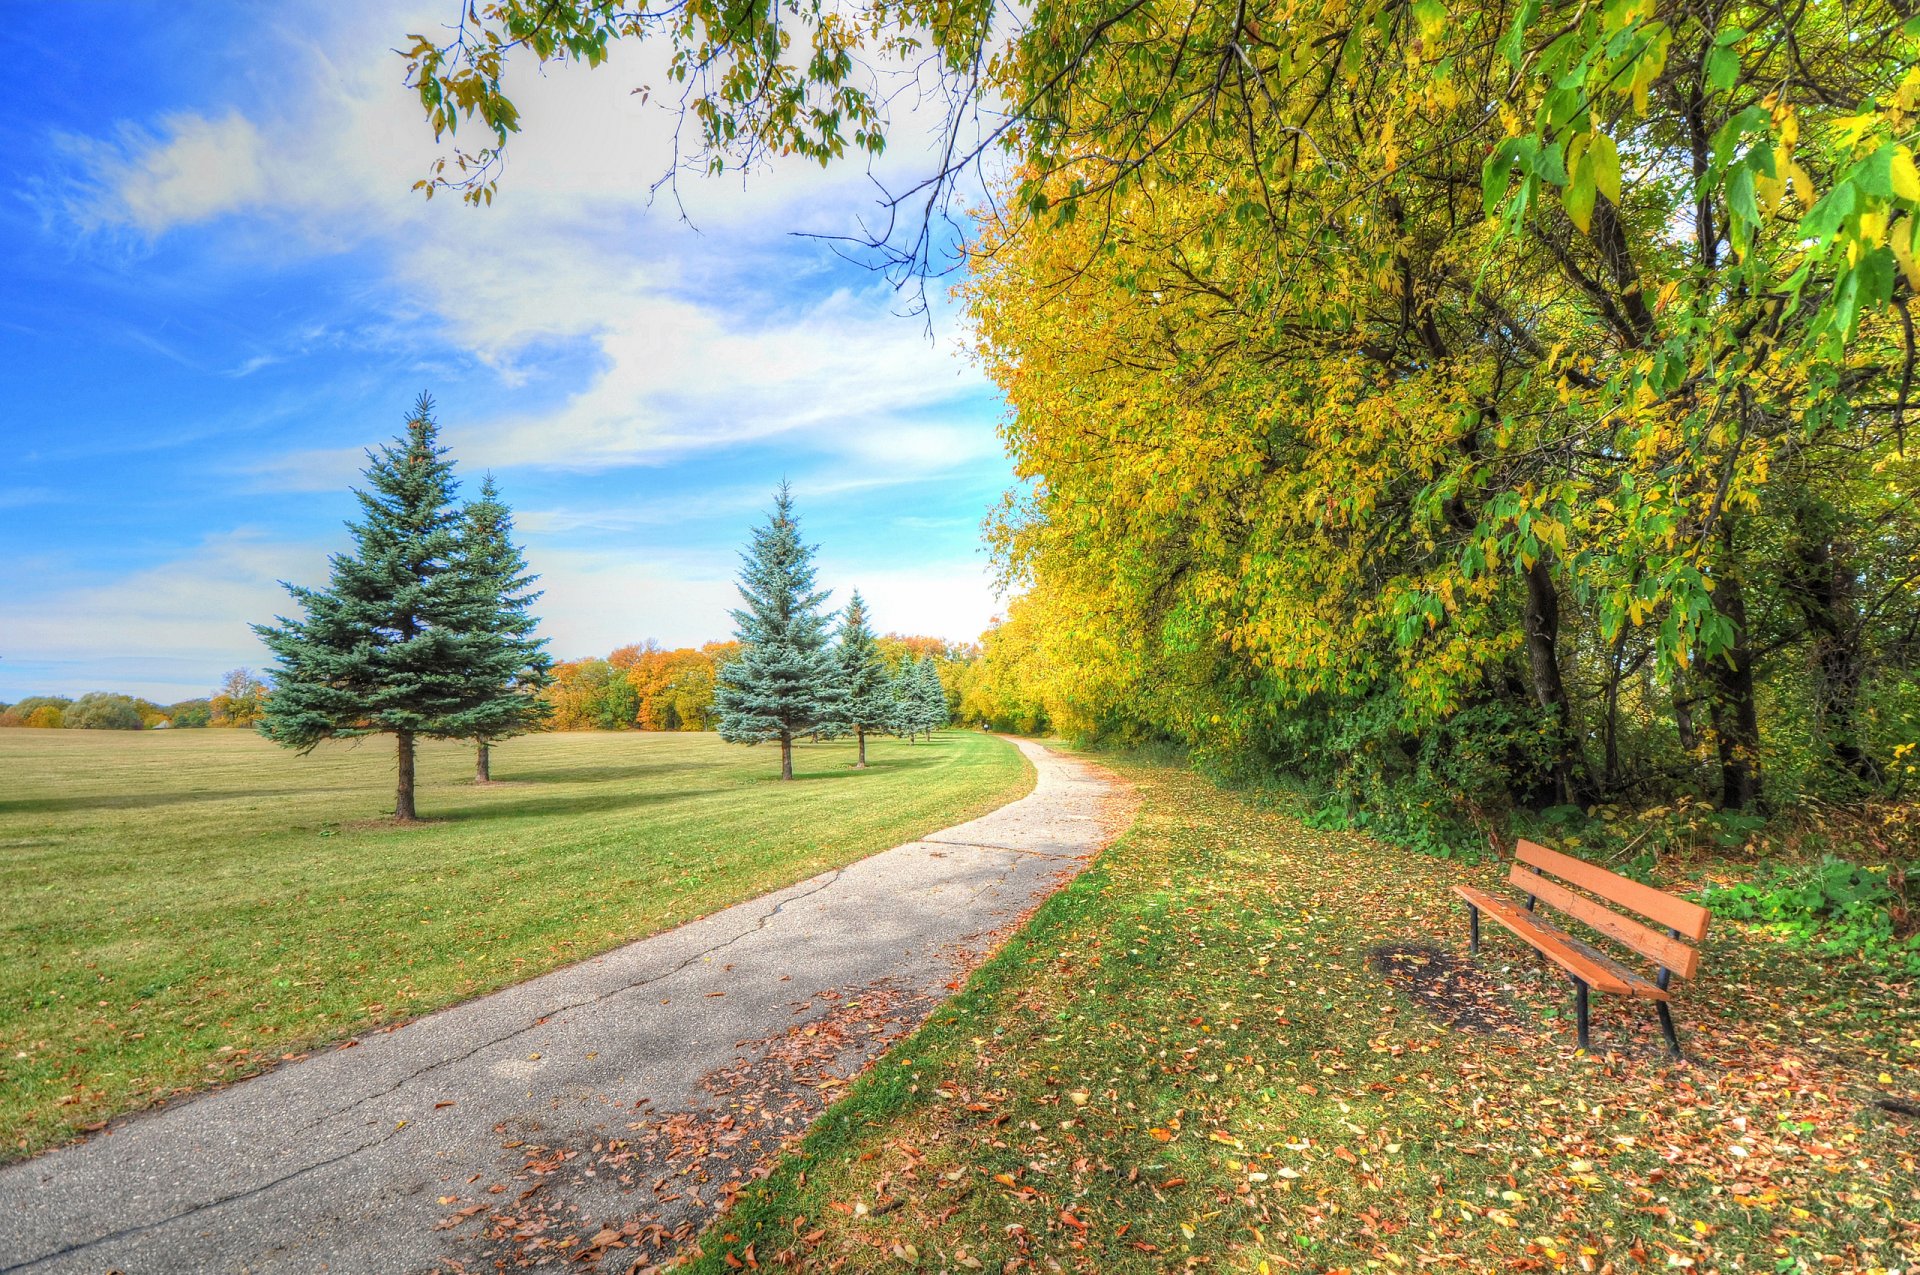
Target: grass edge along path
[1191, 1058]
[173, 927]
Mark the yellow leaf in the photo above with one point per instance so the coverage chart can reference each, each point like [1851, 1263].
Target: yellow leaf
[1906, 178]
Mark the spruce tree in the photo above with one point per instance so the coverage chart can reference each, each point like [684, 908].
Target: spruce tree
[930, 696]
[509, 664]
[866, 697]
[903, 720]
[386, 647]
[783, 682]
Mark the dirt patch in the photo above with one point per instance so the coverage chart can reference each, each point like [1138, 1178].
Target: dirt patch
[630, 1205]
[1450, 988]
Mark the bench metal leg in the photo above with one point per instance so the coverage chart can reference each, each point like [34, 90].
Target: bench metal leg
[1580, 1014]
[1666, 1025]
[1473, 929]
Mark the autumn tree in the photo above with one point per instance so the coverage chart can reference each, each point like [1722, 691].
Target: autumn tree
[389, 645]
[783, 684]
[240, 699]
[38, 711]
[1472, 406]
[506, 664]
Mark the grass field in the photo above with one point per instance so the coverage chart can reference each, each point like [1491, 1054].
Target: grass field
[1192, 1059]
[183, 908]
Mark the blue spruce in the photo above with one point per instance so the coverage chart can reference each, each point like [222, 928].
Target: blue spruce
[783, 684]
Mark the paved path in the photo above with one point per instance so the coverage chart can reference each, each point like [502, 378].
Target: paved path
[379, 1157]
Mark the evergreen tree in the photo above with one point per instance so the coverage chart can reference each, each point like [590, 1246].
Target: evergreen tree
[509, 664]
[930, 697]
[866, 697]
[783, 683]
[901, 716]
[387, 647]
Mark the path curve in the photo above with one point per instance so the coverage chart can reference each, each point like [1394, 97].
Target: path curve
[342, 1162]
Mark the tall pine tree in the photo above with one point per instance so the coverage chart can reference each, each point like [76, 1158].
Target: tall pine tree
[783, 682]
[866, 697]
[509, 664]
[387, 647]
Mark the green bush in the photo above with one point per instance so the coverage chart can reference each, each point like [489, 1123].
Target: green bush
[190, 714]
[1832, 906]
[103, 710]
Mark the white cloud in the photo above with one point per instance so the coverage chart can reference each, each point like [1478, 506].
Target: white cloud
[698, 339]
[192, 169]
[690, 342]
[190, 613]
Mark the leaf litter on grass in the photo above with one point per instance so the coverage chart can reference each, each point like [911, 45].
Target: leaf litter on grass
[1193, 1060]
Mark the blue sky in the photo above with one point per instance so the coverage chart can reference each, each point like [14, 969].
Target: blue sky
[216, 289]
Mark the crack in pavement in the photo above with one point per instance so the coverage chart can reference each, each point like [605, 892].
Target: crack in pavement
[142, 1227]
[598, 998]
[200, 1207]
[989, 845]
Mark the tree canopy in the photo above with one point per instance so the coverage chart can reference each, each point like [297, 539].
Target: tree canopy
[1506, 400]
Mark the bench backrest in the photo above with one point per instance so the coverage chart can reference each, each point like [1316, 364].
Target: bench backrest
[1536, 867]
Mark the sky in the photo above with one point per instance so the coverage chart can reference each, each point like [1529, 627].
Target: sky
[217, 289]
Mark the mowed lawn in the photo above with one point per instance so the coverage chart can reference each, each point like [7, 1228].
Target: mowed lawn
[183, 908]
[1191, 1059]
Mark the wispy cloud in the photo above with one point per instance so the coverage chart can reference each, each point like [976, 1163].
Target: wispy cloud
[585, 341]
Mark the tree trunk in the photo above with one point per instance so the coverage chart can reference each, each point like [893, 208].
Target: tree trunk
[1616, 671]
[786, 755]
[483, 764]
[1683, 713]
[403, 792]
[1541, 622]
[860, 737]
[1736, 719]
[1821, 588]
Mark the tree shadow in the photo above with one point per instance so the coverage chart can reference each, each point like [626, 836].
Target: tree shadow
[595, 774]
[141, 801]
[576, 804]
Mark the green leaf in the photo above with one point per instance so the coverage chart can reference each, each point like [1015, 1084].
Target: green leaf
[1723, 69]
[1513, 46]
[1740, 196]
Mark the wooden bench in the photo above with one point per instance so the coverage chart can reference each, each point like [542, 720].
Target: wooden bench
[1549, 877]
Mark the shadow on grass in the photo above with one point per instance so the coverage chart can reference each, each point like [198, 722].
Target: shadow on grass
[141, 801]
[580, 804]
[597, 774]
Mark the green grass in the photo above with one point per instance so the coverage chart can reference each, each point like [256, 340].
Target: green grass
[1186, 1061]
[179, 909]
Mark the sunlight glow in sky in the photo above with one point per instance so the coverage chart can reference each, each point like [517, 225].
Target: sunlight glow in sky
[217, 289]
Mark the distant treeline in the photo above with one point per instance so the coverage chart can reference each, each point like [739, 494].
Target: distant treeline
[645, 687]
[640, 687]
[238, 703]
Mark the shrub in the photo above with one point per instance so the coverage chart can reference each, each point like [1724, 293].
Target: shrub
[103, 710]
[1832, 906]
[32, 711]
[190, 713]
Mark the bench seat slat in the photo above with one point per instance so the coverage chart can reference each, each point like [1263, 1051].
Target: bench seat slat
[1594, 968]
[1690, 919]
[1652, 944]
